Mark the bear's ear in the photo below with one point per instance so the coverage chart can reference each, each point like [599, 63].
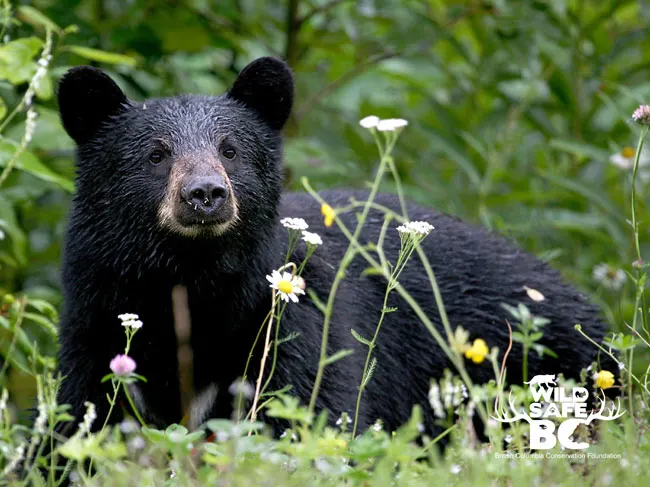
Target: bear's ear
[266, 86]
[87, 98]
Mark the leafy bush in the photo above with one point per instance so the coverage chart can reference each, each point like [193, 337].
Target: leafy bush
[519, 117]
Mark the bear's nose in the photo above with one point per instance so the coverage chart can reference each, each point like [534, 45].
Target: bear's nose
[207, 193]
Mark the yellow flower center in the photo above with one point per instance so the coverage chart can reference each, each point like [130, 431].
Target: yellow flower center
[628, 152]
[328, 214]
[285, 286]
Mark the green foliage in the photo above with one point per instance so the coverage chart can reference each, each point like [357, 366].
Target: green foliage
[515, 110]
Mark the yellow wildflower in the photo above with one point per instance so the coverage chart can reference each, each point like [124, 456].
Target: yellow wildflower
[328, 213]
[604, 379]
[478, 351]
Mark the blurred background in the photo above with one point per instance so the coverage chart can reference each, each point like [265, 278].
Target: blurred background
[520, 120]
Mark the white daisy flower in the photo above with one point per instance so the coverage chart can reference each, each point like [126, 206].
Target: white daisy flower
[287, 285]
[625, 158]
[391, 124]
[311, 238]
[369, 122]
[416, 228]
[609, 277]
[455, 469]
[294, 223]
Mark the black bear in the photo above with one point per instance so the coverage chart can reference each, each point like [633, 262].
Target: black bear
[188, 191]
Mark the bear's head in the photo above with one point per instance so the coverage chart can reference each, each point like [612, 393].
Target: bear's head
[189, 166]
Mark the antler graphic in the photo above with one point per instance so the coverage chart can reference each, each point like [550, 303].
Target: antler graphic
[502, 417]
[614, 412]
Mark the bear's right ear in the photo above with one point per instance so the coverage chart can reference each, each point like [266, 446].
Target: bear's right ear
[87, 98]
[266, 86]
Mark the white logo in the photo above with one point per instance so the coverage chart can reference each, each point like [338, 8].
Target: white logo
[557, 402]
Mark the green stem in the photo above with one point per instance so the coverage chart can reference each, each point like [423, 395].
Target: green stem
[112, 402]
[6, 18]
[637, 246]
[340, 275]
[274, 359]
[422, 316]
[371, 347]
[250, 355]
[609, 354]
[132, 404]
[635, 224]
[437, 439]
[398, 185]
[14, 338]
[524, 362]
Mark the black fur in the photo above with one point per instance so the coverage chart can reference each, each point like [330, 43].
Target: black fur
[118, 260]
[87, 98]
[266, 86]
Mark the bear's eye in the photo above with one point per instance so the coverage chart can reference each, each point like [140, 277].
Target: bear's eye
[156, 157]
[229, 153]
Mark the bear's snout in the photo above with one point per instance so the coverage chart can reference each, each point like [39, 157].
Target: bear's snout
[206, 194]
[199, 199]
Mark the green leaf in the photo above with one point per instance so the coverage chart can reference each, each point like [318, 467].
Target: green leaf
[512, 310]
[291, 336]
[43, 322]
[371, 271]
[49, 134]
[152, 434]
[25, 347]
[536, 336]
[3, 109]
[28, 162]
[586, 192]
[44, 307]
[455, 154]
[35, 17]
[101, 56]
[288, 407]
[43, 88]
[338, 356]
[622, 342]
[16, 59]
[518, 337]
[94, 446]
[582, 150]
[9, 225]
[277, 392]
[543, 350]
[359, 338]
[371, 370]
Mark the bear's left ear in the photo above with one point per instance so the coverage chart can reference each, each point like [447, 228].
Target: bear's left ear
[87, 99]
[266, 86]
